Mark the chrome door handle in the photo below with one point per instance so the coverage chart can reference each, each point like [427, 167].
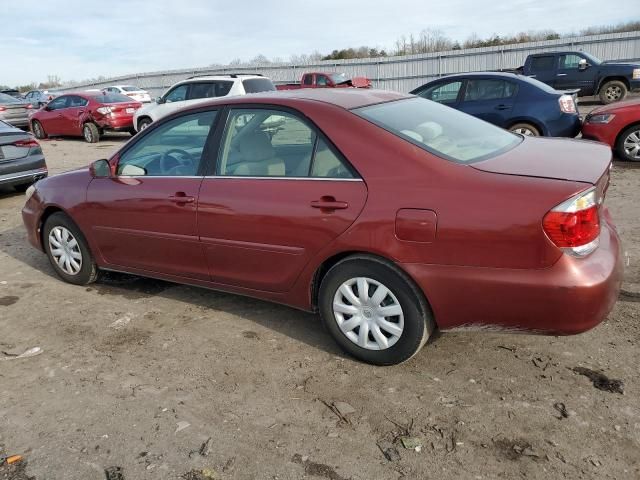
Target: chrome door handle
[562, 75]
[329, 203]
[181, 198]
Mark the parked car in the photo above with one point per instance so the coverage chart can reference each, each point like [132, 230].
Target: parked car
[326, 80]
[520, 104]
[136, 93]
[85, 114]
[569, 70]
[200, 89]
[415, 217]
[21, 160]
[12, 92]
[14, 111]
[39, 98]
[618, 126]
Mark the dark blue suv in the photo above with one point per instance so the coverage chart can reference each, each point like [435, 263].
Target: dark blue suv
[515, 102]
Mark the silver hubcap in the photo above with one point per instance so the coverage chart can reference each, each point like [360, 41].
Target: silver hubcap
[36, 127]
[524, 131]
[65, 250]
[613, 92]
[87, 134]
[632, 144]
[368, 313]
[144, 125]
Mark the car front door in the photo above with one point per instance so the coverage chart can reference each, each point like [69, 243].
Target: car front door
[144, 217]
[570, 76]
[52, 116]
[281, 192]
[72, 114]
[446, 92]
[173, 101]
[489, 99]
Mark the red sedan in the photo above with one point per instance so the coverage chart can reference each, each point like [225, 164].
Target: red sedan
[617, 125]
[389, 214]
[85, 114]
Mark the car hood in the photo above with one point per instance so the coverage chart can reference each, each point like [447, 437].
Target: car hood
[630, 104]
[561, 159]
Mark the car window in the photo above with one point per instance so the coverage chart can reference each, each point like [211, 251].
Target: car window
[209, 89]
[488, 89]
[321, 80]
[129, 88]
[442, 92]
[308, 79]
[327, 164]
[178, 94]
[4, 98]
[257, 85]
[172, 149]
[58, 103]
[108, 97]
[570, 61]
[441, 130]
[76, 101]
[545, 63]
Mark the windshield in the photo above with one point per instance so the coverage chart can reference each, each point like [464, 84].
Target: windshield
[4, 98]
[339, 77]
[110, 98]
[441, 130]
[591, 59]
[257, 85]
[130, 88]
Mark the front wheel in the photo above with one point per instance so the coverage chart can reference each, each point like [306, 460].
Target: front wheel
[525, 129]
[143, 124]
[373, 311]
[613, 91]
[68, 251]
[628, 144]
[91, 133]
[38, 130]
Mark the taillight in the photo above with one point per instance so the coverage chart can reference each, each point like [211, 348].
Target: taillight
[29, 107]
[27, 143]
[567, 105]
[574, 225]
[2, 109]
[103, 110]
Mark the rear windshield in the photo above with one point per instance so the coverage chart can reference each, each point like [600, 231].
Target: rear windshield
[441, 130]
[256, 85]
[4, 98]
[129, 88]
[109, 97]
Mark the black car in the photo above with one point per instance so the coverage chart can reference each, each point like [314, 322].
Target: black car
[21, 159]
[515, 102]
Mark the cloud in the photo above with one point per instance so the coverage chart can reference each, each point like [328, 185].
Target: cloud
[78, 40]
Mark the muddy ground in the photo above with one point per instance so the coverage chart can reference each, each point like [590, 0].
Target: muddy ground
[139, 374]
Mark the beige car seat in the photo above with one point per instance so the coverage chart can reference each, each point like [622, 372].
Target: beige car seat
[258, 157]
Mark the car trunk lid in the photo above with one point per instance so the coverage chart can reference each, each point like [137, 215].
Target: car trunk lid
[554, 158]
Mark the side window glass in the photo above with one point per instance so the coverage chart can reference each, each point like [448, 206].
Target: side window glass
[321, 80]
[173, 149]
[542, 64]
[178, 94]
[75, 101]
[442, 93]
[266, 143]
[308, 79]
[327, 164]
[209, 89]
[58, 103]
[570, 62]
[487, 89]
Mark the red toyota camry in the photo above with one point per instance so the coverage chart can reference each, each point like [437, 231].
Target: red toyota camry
[390, 215]
[85, 114]
[617, 125]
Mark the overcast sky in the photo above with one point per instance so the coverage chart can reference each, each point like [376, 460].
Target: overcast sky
[78, 40]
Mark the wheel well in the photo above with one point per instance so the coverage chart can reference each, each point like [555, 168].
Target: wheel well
[610, 79]
[322, 270]
[533, 123]
[46, 214]
[145, 117]
[615, 144]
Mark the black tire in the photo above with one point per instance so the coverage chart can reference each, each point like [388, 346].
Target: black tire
[418, 320]
[38, 130]
[88, 272]
[22, 187]
[143, 123]
[522, 128]
[90, 133]
[612, 91]
[631, 134]
[132, 132]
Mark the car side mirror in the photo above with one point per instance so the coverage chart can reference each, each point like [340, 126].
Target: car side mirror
[159, 100]
[100, 169]
[583, 65]
[47, 108]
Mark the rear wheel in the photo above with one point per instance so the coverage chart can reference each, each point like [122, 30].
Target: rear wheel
[525, 129]
[628, 144]
[90, 133]
[22, 187]
[38, 130]
[373, 310]
[612, 91]
[68, 251]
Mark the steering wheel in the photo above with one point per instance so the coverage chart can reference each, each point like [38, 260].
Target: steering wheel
[168, 162]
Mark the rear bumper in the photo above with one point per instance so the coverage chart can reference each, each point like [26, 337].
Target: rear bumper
[117, 123]
[25, 176]
[567, 125]
[572, 296]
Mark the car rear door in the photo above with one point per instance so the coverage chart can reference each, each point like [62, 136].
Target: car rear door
[447, 92]
[544, 68]
[490, 99]
[144, 217]
[280, 193]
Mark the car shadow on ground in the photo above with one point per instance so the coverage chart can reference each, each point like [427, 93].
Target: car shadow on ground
[298, 325]
[9, 192]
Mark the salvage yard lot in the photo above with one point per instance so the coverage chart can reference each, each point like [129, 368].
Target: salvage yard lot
[139, 374]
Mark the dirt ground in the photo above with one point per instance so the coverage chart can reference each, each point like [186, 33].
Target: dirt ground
[140, 374]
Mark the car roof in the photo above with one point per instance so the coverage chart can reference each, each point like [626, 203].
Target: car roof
[505, 75]
[346, 98]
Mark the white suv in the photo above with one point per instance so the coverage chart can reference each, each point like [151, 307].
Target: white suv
[199, 89]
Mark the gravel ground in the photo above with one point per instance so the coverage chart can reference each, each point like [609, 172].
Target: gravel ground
[169, 381]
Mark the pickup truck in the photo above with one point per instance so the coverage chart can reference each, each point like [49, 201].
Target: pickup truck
[326, 80]
[611, 81]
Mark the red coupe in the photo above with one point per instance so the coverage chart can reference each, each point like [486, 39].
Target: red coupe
[85, 114]
[389, 214]
[617, 125]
